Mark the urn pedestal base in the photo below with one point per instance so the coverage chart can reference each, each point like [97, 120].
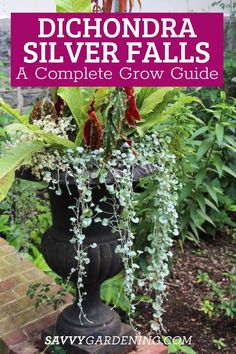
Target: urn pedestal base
[125, 334]
[95, 320]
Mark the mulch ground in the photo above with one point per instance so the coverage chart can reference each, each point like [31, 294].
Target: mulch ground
[183, 316]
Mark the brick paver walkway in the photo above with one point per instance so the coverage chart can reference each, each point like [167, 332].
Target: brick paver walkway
[20, 322]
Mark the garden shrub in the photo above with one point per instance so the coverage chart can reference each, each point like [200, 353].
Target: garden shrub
[203, 139]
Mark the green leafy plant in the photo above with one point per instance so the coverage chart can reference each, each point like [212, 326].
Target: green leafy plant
[208, 168]
[219, 343]
[4, 224]
[20, 152]
[54, 349]
[202, 277]
[58, 350]
[207, 307]
[28, 215]
[177, 346]
[112, 292]
[42, 294]
[203, 140]
[73, 6]
[222, 296]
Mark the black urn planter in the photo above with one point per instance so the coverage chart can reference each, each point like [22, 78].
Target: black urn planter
[59, 253]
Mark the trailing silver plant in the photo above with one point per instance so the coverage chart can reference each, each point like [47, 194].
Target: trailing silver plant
[119, 175]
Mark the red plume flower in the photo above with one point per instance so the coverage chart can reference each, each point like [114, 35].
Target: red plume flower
[132, 114]
[93, 131]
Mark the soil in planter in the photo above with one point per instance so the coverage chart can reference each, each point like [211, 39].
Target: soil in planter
[183, 316]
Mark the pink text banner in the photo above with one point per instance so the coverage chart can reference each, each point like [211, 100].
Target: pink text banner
[149, 49]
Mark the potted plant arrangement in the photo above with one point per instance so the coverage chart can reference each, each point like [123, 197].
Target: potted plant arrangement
[92, 145]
